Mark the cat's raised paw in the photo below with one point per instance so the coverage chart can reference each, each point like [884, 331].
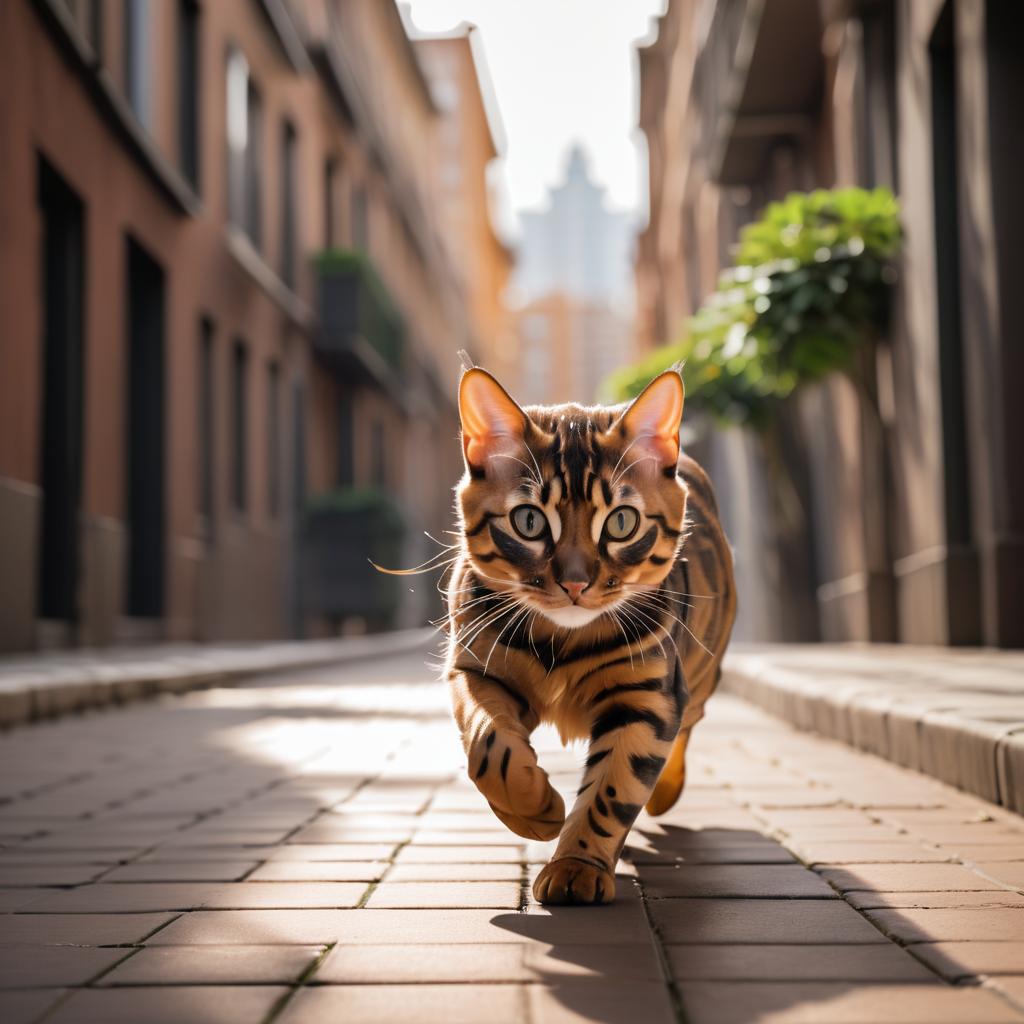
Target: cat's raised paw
[569, 880]
[545, 826]
[505, 770]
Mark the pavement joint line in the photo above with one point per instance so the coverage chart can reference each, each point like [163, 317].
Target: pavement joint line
[300, 982]
[674, 990]
[132, 951]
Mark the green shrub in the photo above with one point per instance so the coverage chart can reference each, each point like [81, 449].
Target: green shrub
[810, 286]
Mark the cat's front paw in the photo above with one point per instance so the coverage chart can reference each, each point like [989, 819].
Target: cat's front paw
[569, 880]
[505, 770]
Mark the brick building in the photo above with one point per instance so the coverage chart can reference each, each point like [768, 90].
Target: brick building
[227, 287]
[912, 530]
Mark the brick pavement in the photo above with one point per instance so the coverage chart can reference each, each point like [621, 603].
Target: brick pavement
[307, 850]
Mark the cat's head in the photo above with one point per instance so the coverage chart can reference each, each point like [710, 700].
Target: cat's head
[573, 508]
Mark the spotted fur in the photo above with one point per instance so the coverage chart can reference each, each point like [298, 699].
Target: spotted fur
[614, 640]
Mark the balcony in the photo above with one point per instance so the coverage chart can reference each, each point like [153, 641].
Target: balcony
[360, 330]
[758, 80]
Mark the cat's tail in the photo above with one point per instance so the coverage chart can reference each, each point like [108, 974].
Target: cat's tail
[673, 777]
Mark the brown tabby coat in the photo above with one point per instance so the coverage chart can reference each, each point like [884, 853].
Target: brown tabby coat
[614, 640]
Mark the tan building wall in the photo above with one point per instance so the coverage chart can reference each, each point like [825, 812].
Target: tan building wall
[909, 533]
[470, 140]
[352, 90]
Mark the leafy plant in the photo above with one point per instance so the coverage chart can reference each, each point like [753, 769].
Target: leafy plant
[810, 285]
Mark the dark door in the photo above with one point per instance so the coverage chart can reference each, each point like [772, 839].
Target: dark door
[145, 441]
[298, 483]
[62, 305]
[963, 606]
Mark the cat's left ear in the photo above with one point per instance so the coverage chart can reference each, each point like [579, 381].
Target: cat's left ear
[492, 422]
[655, 415]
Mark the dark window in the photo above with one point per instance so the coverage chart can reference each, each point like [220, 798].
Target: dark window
[878, 128]
[345, 469]
[359, 218]
[239, 426]
[254, 166]
[289, 147]
[330, 209]
[378, 454]
[61, 316]
[137, 61]
[273, 439]
[691, 256]
[96, 28]
[188, 90]
[205, 431]
[145, 433]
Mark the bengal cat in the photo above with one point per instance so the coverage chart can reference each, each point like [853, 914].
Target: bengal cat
[593, 590]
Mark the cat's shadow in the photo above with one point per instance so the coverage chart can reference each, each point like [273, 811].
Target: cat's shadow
[614, 963]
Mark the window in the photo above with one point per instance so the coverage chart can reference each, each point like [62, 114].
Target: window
[878, 120]
[245, 133]
[378, 454]
[330, 186]
[273, 440]
[137, 63]
[96, 28]
[253, 168]
[239, 426]
[188, 90]
[345, 468]
[289, 146]
[359, 218]
[205, 434]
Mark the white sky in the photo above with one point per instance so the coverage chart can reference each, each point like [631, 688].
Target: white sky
[563, 72]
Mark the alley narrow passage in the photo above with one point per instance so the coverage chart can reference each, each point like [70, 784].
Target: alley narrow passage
[307, 849]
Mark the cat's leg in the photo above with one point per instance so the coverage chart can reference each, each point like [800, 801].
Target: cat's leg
[631, 737]
[496, 721]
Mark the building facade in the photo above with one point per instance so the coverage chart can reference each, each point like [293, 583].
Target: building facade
[227, 291]
[911, 529]
[471, 138]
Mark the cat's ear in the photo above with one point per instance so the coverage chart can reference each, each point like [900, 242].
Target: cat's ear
[492, 422]
[654, 417]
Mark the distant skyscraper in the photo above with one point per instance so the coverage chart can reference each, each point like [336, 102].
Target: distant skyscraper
[574, 284]
[577, 246]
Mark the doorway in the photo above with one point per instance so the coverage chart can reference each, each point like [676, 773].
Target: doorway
[62, 303]
[145, 476]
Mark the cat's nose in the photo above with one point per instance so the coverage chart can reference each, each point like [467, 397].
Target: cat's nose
[574, 587]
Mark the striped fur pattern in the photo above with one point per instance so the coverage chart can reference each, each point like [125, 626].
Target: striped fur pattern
[609, 625]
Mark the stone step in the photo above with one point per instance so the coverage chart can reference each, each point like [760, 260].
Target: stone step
[956, 714]
[35, 687]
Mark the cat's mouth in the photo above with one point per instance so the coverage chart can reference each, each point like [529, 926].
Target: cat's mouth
[571, 616]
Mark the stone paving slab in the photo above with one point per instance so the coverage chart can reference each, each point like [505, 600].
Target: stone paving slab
[955, 714]
[336, 864]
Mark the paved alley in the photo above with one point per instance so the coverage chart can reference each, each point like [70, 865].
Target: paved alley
[306, 849]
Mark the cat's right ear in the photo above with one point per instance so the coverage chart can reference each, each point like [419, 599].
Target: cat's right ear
[492, 422]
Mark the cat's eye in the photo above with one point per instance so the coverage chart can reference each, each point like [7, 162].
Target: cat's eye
[529, 521]
[621, 524]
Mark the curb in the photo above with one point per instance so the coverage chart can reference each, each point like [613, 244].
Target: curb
[964, 733]
[36, 688]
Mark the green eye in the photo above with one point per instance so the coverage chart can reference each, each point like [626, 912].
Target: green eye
[621, 524]
[529, 521]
